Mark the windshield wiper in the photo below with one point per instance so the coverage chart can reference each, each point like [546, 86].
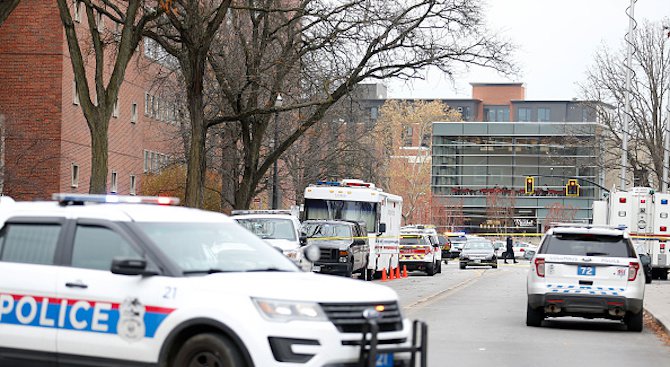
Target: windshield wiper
[206, 271]
[265, 269]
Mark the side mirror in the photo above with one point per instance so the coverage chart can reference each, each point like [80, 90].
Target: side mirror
[382, 228]
[359, 242]
[131, 267]
[303, 240]
[312, 253]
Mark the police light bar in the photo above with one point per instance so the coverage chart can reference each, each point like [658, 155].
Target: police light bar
[243, 212]
[328, 183]
[68, 199]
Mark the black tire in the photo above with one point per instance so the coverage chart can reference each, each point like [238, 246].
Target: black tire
[647, 279]
[534, 316]
[430, 269]
[663, 274]
[461, 265]
[350, 270]
[208, 349]
[439, 267]
[634, 321]
[494, 266]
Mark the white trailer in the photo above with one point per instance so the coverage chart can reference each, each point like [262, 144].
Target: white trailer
[644, 213]
[363, 202]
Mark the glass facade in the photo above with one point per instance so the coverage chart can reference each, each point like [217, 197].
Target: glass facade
[486, 165]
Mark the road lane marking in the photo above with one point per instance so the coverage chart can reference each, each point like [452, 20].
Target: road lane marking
[426, 300]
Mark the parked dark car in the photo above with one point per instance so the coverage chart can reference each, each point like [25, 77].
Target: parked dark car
[645, 259]
[343, 246]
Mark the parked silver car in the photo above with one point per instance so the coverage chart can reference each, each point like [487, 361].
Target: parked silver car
[479, 253]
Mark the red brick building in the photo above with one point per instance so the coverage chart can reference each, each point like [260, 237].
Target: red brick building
[46, 139]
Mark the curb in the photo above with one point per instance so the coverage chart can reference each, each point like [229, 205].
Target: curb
[657, 321]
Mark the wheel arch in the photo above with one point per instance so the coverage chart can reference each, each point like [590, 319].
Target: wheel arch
[192, 327]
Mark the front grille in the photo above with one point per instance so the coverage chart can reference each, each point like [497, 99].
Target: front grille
[328, 255]
[348, 318]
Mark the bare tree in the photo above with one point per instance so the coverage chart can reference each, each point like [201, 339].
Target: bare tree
[448, 213]
[187, 33]
[6, 8]
[558, 213]
[606, 83]
[500, 209]
[97, 101]
[314, 52]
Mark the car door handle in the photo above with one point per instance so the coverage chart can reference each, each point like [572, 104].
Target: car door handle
[77, 284]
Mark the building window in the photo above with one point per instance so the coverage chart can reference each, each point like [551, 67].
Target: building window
[524, 114]
[496, 113]
[146, 161]
[407, 136]
[374, 112]
[76, 11]
[115, 111]
[74, 181]
[133, 112]
[147, 105]
[133, 185]
[114, 183]
[543, 115]
[75, 94]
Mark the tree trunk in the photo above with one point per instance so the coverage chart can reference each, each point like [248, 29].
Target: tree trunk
[195, 174]
[244, 194]
[99, 157]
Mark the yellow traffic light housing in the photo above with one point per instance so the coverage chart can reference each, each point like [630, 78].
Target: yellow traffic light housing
[572, 188]
[530, 185]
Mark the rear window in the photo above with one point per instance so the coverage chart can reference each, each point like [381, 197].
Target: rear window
[587, 244]
[407, 241]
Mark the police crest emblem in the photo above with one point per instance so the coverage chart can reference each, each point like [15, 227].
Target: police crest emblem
[131, 320]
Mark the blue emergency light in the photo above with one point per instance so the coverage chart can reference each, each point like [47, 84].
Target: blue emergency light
[65, 199]
[328, 183]
[664, 201]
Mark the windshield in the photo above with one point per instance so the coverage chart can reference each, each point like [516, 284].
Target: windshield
[269, 228]
[214, 247]
[339, 209]
[407, 241]
[478, 246]
[587, 245]
[316, 230]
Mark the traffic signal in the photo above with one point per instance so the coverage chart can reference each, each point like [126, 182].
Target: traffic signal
[572, 188]
[530, 185]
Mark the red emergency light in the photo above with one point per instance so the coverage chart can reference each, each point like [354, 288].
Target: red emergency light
[663, 228]
[643, 201]
[622, 200]
[662, 245]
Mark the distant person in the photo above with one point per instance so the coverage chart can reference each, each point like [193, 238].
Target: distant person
[510, 250]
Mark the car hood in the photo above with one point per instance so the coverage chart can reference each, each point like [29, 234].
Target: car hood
[296, 286]
[331, 244]
[284, 245]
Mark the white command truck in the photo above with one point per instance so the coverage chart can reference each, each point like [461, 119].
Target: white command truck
[110, 280]
[363, 202]
[644, 213]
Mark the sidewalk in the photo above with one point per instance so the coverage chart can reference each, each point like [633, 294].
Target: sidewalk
[656, 302]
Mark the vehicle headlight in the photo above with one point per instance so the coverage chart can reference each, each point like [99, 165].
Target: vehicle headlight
[292, 254]
[283, 311]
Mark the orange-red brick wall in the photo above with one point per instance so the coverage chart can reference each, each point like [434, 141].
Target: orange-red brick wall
[31, 64]
[497, 95]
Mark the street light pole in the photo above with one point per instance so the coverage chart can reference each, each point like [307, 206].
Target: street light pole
[666, 135]
[275, 186]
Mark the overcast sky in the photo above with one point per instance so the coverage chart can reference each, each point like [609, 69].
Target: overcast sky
[556, 42]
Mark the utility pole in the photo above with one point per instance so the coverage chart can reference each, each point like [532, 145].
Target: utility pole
[627, 110]
[275, 186]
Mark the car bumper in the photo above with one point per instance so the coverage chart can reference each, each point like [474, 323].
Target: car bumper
[581, 305]
[333, 268]
[482, 262]
[309, 344]
[414, 265]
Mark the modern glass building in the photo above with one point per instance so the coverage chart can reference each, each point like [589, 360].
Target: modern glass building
[480, 169]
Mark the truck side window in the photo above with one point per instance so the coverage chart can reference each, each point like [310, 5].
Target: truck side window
[95, 248]
[29, 243]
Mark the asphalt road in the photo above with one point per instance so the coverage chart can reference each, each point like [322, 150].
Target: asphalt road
[476, 317]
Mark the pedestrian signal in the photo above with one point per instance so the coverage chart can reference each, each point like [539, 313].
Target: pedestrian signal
[572, 188]
[530, 184]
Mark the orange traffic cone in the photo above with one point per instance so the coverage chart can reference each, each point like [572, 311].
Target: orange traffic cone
[397, 272]
[384, 275]
[404, 271]
[392, 274]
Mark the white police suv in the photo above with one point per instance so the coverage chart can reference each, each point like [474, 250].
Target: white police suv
[586, 271]
[121, 283]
